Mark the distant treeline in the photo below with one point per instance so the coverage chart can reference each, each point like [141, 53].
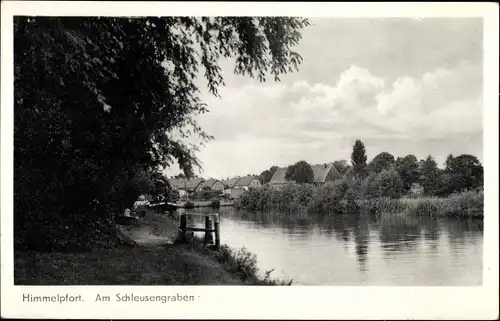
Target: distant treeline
[387, 176]
[383, 185]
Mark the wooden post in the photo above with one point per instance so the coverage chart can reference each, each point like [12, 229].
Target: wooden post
[217, 231]
[208, 234]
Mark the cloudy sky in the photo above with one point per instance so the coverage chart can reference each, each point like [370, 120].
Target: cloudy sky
[399, 85]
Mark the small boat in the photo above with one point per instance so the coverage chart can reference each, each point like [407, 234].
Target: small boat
[165, 206]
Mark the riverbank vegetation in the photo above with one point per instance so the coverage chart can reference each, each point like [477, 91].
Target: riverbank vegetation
[240, 263]
[385, 185]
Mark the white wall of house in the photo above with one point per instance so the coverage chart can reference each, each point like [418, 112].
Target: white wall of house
[236, 192]
[279, 186]
[218, 186]
[255, 183]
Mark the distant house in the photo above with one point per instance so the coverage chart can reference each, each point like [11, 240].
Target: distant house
[246, 182]
[278, 180]
[229, 183]
[323, 173]
[235, 186]
[186, 186]
[238, 185]
[213, 184]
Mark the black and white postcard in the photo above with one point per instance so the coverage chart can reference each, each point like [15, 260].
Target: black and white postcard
[249, 160]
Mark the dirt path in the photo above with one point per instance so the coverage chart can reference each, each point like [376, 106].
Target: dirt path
[155, 261]
[153, 229]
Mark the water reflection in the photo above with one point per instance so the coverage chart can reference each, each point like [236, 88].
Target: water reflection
[361, 237]
[360, 250]
[399, 233]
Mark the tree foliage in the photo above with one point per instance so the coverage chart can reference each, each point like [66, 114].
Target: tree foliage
[380, 162]
[408, 170]
[387, 183]
[429, 175]
[265, 176]
[300, 172]
[358, 158]
[461, 173]
[99, 99]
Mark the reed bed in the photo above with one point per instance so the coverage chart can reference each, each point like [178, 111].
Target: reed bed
[307, 199]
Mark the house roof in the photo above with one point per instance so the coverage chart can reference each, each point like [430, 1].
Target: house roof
[279, 176]
[190, 184]
[229, 183]
[320, 172]
[210, 182]
[246, 180]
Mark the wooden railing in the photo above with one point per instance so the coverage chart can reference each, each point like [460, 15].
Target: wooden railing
[211, 226]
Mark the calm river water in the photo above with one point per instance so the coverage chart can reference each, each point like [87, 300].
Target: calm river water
[353, 250]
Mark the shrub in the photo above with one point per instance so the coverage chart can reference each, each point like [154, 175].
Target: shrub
[387, 183]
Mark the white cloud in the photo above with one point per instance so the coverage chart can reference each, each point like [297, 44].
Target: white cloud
[260, 125]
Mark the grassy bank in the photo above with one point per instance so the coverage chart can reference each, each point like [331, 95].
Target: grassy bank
[342, 198]
[152, 260]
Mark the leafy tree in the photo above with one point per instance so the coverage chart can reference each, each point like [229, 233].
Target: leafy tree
[387, 183]
[358, 158]
[466, 172]
[449, 161]
[429, 175]
[266, 175]
[407, 168]
[300, 172]
[380, 162]
[99, 99]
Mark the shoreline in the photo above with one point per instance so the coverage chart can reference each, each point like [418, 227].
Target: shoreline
[149, 255]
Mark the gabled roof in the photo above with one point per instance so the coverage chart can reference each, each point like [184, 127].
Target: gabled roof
[246, 180]
[320, 172]
[229, 183]
[210, 182]
[189, 184]
[279, 176]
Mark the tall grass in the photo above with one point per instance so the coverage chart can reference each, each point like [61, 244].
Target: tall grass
[348, 197]
[465, 204]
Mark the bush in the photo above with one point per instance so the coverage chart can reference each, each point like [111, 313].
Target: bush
[294, 197]
[387, 183]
